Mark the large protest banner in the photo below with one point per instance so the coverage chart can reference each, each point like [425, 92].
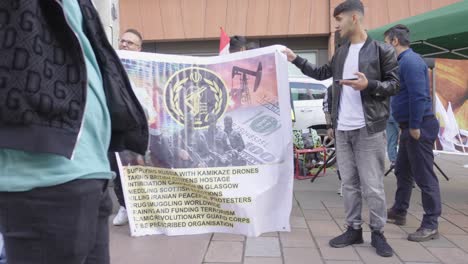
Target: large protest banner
[220, 157]
[451, 105]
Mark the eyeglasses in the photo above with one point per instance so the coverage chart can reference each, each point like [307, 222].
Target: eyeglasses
[128, 43]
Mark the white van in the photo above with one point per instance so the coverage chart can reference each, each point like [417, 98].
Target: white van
[307, 95]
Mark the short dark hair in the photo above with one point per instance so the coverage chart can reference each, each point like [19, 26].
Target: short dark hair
[400, 32]
[237, 43]
[349, 5]
[252, 45]
[135, 32]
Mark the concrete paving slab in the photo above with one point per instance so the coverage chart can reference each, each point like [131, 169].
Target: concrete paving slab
[460, 241]
[227, 237]
[441, 242]
[262, 247]
[156, 249]
[256, 260]
[324, 228]
[411, 251]
[224, 251]
[301, 256]
[343, 262]
[317, 215]
[450, 255]
[297, 238]
[369, 256]
[298, 222]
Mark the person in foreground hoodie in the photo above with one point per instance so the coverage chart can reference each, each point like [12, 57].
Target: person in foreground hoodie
[65, 102]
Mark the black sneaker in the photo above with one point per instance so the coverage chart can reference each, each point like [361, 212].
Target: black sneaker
[380, 244]
[395, 218]
[423, 234]
[350, 237]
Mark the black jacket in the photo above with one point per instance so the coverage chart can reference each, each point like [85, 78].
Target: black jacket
[378, 62]
[43, 81]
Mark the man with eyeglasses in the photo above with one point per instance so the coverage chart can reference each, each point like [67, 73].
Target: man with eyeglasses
[130, 40]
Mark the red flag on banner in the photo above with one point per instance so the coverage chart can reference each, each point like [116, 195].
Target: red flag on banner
[224, 43]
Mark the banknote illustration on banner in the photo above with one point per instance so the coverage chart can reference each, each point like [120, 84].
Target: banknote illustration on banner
[220, 151]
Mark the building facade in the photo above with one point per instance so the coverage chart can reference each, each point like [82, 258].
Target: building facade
[192, 27]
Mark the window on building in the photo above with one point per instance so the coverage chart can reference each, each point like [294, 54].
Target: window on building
[295, 72]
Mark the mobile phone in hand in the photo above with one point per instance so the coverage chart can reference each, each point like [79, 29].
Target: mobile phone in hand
[351, 79]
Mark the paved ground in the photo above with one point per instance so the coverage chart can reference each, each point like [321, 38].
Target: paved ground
[316, 217]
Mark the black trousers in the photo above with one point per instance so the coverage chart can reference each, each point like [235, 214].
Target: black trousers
[117, 182]
[416, 162]
[161, 156]
[63, 224]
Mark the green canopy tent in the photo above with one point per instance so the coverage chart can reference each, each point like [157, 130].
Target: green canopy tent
[441, 33]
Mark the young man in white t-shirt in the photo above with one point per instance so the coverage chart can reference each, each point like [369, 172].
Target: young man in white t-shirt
[359, 116]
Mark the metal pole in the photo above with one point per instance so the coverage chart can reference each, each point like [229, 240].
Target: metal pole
[441, 171]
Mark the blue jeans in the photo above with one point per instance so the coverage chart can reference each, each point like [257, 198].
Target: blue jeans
[392, 138]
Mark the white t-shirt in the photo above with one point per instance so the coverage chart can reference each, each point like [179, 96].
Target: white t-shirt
[351, 113]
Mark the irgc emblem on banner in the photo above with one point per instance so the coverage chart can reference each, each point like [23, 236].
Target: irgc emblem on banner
[197, 92]
[220, 151]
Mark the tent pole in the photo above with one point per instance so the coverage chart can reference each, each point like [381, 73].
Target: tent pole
[435, 113]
